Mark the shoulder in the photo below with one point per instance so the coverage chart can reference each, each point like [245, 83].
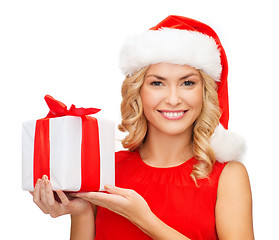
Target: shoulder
[233, 175]
[234, 180]
[234, 200]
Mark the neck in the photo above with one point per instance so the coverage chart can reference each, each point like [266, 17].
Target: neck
[164, 150]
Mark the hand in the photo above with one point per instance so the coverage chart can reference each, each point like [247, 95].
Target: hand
[57, 203]
[124, 202]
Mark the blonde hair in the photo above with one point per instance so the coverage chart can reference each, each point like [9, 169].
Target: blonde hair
[135, 123]
[133, 119]
[204, 127]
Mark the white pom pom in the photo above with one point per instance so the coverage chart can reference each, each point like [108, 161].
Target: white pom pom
[227, 145]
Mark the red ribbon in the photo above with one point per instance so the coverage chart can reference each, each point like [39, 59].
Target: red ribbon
[59, 109]
[90, 149]
[41, 165]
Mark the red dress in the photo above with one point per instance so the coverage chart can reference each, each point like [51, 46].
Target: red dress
[171, 195]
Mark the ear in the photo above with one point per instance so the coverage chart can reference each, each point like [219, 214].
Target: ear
[227, 145]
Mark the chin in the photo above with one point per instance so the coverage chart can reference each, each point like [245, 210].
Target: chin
[173, 131]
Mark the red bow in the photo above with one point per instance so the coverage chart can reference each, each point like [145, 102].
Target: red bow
[59, 109]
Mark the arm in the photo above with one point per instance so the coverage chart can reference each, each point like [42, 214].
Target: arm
[82, 226]
[234, 204]
[158, 230]
[132, 206]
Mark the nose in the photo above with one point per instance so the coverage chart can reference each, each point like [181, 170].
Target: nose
[173, 97]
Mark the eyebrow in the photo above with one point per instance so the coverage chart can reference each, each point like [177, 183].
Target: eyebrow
[162, 78]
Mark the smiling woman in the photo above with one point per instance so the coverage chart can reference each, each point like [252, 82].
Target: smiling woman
[175, 180]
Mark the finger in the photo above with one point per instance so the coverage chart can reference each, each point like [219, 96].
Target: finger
[119, 191]
[37, 196]
[88, 194]
[43, 192]
[101, 199]
[36, 193]
[49, 195]
[52, 206]
[97, 202]
[62, 196]
[93, 197]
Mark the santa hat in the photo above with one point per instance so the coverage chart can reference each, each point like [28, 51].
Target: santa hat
[181, 40]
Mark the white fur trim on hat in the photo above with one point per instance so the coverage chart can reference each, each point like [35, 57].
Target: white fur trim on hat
[227, 145]
[171, 46]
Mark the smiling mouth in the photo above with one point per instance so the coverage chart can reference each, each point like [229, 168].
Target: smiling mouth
[173, 115]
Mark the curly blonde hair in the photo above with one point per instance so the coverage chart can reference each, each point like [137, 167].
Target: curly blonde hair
[204, 127]
[135, 123]
[133, 119]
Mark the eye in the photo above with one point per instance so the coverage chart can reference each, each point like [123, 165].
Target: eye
[156, 83]
[188, 83]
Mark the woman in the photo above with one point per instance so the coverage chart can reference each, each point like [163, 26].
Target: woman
[169, 184]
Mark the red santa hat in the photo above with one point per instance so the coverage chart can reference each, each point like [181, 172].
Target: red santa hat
[181, 40]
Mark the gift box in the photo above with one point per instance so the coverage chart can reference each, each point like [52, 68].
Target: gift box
[74, 150]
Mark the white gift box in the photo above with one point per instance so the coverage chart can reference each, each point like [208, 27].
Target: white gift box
[65, 148]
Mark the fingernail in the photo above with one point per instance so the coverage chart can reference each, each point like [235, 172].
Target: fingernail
[45, 178]
[108, 187]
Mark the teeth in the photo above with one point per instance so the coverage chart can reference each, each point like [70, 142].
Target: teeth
[173, 114]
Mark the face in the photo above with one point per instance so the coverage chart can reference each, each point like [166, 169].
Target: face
[172, 97]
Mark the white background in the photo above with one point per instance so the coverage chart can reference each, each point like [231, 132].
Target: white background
[69, 49]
